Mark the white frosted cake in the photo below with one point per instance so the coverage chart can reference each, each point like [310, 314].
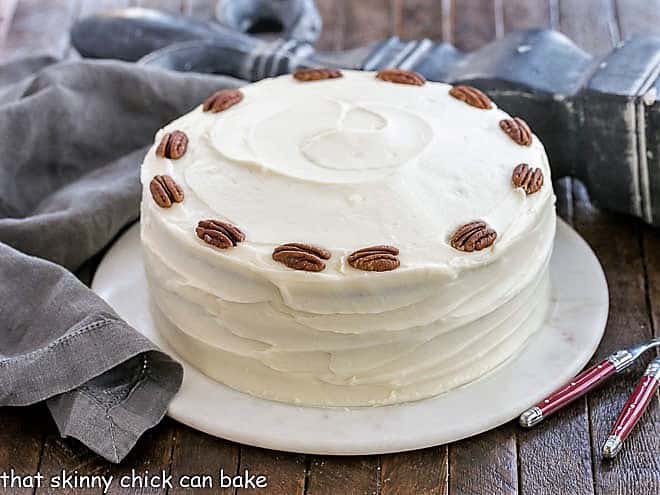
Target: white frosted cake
[347, 238]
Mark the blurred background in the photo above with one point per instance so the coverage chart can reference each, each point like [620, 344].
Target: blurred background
[31, 26]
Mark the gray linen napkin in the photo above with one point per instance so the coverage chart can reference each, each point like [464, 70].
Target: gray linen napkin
[72, 137]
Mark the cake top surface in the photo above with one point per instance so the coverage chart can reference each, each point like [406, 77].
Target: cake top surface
[348, 163]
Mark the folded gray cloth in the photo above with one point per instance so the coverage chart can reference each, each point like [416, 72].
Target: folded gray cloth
[72, 136]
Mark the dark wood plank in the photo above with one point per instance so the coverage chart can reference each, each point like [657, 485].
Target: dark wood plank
[486, 463]
[591, 24]
[346, 25]
[153, 453]
[196, 453]
[345, 475]
[285, 472]
[536, 450]
[422, 472]
[568, 470]
[638, 17]
[67, 454]
[525, 14]
[334, 24]
[368, 21]
[474, 23]
[21, 441]
[555, 457]
[40, 27]
[417, 19]
[651, 251]
[617, 243]
[544, 468]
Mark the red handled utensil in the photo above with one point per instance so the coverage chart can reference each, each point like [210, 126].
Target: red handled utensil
[585, 381]
[634, 408]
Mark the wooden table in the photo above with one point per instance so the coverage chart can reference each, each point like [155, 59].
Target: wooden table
[561, 456]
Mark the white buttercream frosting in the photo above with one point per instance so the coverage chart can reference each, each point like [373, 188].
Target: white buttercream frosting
[344, 164]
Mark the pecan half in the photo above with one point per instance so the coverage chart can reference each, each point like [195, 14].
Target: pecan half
[471, 96]
[473, 236]
[220, 234]
[165, 191]
[222, 100]
[530, 179]
[299, 256]
[518, 130]
[401, 76]
[375, 259]
[316, 74]
[173, 145]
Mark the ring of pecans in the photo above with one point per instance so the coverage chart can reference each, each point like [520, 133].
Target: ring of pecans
[472, 236]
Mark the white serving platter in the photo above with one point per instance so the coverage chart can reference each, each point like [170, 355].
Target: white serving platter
[567, 340]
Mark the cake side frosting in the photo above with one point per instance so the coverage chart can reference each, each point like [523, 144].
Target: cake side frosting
[345, 164]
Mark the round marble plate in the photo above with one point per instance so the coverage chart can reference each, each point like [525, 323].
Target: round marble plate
[569, 337]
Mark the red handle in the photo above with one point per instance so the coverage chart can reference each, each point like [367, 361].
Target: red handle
[635, 406]
[579, 386]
